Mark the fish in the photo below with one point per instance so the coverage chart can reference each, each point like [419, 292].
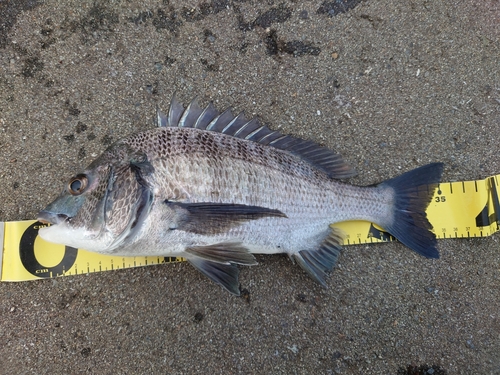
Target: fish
[216, 188]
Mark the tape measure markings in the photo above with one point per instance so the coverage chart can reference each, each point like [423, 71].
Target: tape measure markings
[461, 209]
[2, 231]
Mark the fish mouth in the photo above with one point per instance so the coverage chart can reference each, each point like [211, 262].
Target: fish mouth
[47, 217]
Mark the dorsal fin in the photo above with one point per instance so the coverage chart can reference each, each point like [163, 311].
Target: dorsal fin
[209, 118]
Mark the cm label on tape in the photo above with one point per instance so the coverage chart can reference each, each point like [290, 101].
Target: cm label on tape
[31, 263]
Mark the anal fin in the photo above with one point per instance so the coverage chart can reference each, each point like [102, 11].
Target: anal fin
[318, 263]
[218, 262]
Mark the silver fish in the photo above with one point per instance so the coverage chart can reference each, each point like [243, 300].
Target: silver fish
[214, 188]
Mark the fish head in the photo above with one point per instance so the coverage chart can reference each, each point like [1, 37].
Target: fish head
[103, 206]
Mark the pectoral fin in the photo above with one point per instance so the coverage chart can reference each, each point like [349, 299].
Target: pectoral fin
[317, 263]
[213, 218]
[218, 262]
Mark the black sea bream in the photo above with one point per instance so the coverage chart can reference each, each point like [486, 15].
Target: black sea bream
[214, 188]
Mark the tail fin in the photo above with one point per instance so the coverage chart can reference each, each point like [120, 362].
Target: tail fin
[413, 193]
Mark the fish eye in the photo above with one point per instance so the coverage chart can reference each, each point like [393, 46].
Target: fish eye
[77, 184]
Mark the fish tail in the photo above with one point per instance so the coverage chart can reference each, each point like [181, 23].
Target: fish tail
[413, 191]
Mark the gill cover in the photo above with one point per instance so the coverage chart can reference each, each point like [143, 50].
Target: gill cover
[129, 202]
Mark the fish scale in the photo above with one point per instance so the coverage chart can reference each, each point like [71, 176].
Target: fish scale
[214, 188]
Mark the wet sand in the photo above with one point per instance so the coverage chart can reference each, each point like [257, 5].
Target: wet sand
[391, 85]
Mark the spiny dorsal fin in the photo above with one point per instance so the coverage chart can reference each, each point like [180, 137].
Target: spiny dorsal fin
[209, 118]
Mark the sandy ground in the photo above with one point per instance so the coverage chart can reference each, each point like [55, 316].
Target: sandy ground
[391, 84]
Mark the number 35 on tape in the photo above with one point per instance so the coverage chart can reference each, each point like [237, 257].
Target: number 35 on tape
[463, 209]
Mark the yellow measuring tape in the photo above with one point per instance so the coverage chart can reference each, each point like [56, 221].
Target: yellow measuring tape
[458, 210]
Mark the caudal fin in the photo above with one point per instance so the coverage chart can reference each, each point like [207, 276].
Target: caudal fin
[413, 193]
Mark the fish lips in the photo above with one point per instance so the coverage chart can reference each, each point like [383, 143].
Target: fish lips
[52, 218]
[62, 209]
